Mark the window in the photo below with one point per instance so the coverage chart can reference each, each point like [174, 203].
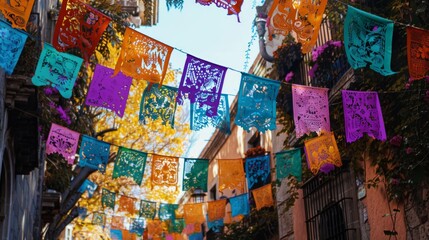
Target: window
[255, 140]
[213, 193]
[331, 206]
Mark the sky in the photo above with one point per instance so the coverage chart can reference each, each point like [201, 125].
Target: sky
[207, 32]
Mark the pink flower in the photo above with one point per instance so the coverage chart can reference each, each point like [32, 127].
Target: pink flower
[396, 141]
[409, 150]
[394, 181]
[50, 90]
[407, 85]
[289, 77]
[63, 115]
[375, 28]
[337, 43]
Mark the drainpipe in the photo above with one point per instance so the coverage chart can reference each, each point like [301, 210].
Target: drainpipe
[260, 28]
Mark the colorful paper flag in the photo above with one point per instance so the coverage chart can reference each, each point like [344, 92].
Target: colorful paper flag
[108, 199]
[257, 171]
[79, 26]
[240, 205]
[302, 17]
[99, 218]
[63, 141]
[233, 7]
[117, 222]
[216, 209]
[17, 12]
[200, 120]
[158, 103]
[257, 103]
[322, 151]
[164, 171]
[137, 226]
[263, 197]
[195, 174]
[418, 52]
[130, 163]
[362, 114]
[12, 41]
[310, 109]
[177, 225]
[88, 186]
[194, 213]
[201, 83]
[57, 69]
[108, 91]
[368, 40]
[289, 163]
[93, 153]
[143, 58]
[126, 204]
[147, 209]
[231, 174]
[167, 211]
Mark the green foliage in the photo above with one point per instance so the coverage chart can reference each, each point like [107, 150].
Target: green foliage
[262, 224]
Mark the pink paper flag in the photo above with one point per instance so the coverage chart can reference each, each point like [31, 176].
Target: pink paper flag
[63, 141]
[310, 109]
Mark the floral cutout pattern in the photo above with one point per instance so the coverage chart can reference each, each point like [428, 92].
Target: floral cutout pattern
[158, 103]
[143, 57]
[108, 199]
[193, 213]
[303, 17]
[201, 83]
[17, 12]
[108, 91]
[195, 174]
[130, 163]
[200, 120]
[117, 222]
[362, 114]
[257, 171]
[93, 153]
[310, 109]
[79, 26]
[418, 52]
[231, 174]
[240, 205]
[257, 103]
[289, 163]
[368, 40]
[164, 171]
[63, 141]
[263, 197]
[58, 70]
[147, 209]
[322, 151]
[12, 42]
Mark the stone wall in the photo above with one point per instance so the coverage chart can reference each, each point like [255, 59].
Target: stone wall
[416, 213]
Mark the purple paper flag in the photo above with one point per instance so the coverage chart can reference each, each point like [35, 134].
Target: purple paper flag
[63, 141]
[109, 91]
[202, 84]
[362, 114]
[310, 109]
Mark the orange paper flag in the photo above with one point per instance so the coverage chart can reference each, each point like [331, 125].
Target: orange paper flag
[216, 209]
[154, 228]
[231, 174]
[418, 52]
[194, 213]
[117, 222]
[303, 17]
[321, 151]
[143, 57]
[17, 11]
[126, 204]
[263, 196]
[164, 170]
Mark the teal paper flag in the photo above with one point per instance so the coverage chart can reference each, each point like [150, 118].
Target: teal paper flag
[108, 199]
[130, 163]
[368, 41]
[240, 205]
[195, 174]
[289, 163]
[12, 42]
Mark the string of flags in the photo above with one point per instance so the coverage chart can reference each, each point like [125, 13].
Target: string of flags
[367, 42]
